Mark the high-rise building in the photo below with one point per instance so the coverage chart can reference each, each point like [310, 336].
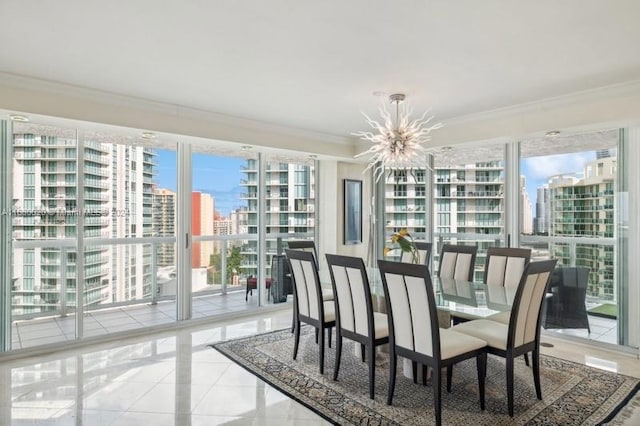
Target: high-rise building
[239, 221]
[541, 221]
[132, 171]
[164, 224]
[45, 182]
[583, 206]
[202, 215]
[526, 214]
[116, 182]
[290, 198]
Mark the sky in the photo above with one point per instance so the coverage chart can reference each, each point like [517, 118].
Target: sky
[537, 170]
[218, 176]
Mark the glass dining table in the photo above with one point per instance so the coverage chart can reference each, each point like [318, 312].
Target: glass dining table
[463, 299]
[460, 298]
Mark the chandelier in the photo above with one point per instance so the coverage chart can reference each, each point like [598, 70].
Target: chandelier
[400, 145]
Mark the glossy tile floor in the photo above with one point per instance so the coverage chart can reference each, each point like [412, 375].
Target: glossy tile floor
[174, 378]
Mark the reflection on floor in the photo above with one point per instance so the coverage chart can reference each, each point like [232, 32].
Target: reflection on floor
[34, 332]
[173, 377]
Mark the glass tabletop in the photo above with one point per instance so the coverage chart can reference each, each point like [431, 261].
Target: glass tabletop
[461, 298]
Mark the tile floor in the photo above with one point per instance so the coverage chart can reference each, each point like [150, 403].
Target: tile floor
[174, 378]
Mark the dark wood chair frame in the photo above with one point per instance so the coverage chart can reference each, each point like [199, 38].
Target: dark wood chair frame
[512, 352]
[435, 362]
[319, 323]
[424, 246]
[368, 343]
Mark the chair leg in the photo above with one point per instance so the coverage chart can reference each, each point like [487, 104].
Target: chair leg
[329, 336]
[414, 368]
[338, 354]
[372, 370]
[437, 402]
[449, 377]
[526, 359]
[536, 372]
[424, 374]
[316, 336]
[296, 326]
[481, 365]
[321, 343]
[509, 366]
[393, 361]
[362, 350]
[295, 315]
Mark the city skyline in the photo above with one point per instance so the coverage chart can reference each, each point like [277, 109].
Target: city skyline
[207, 171]
[227, 197]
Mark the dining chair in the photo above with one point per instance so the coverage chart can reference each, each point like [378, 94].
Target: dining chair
[308, 303]
[565, 302]
[522, 333]
[424, 254]
[457, 262]
[414, 332]
[308, 246]
[355, 318]
[304, 245]
[504, 266]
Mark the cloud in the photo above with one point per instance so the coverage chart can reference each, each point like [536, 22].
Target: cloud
[541, 168]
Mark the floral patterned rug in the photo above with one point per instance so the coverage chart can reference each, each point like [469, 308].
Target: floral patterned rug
[573, 394]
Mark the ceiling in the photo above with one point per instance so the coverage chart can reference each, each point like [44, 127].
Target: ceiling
[315, 65]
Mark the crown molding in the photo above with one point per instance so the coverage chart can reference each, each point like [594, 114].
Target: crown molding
[202, 123]
[605, 107]
[625, 89]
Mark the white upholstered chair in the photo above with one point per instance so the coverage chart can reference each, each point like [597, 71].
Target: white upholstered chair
[522, 333]
[457, 262]
[308, 304]
[504, 266]
[424, 254]
[355, 318]
[414, 332]
[308, 246]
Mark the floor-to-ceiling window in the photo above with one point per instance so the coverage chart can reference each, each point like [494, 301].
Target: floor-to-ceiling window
[469, 199]
[95, 218]
[44, 218]
[290, 197]
[74, 191]
[572, 181]
[224, 190]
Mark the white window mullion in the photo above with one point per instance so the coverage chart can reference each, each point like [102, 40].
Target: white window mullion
[6, 187]
[512, 195]
[80, 272]
[184, 238]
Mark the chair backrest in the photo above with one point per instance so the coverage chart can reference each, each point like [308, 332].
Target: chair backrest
[457, 261]
[504, 266]
[306, 284]
[354, 309]
[524, 324]
[424, 254]
[411, 308]
[304, 245]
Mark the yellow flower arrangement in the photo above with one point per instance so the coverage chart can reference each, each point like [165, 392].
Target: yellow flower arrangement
[406, 243]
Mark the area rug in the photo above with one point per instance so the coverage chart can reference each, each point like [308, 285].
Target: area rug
[573, 394]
